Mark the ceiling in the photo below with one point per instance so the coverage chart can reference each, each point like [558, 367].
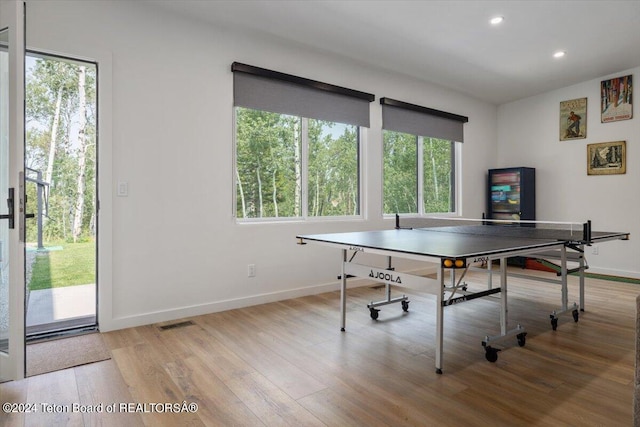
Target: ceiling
[451, 43]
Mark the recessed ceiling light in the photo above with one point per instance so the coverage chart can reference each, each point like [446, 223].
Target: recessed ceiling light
[496, 20]
[559, 54]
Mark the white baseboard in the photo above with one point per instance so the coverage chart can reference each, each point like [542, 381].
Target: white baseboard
[141, 319]
[148, 318]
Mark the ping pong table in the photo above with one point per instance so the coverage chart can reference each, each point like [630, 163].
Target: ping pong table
[457, 248]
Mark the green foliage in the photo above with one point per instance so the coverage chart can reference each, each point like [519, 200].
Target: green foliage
[52, 91]
[73, 265]
[333, 169]
[267, 150]
[438, 172]
[270, 166]
[401, 174]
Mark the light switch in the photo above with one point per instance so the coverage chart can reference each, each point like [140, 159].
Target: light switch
[123, 189]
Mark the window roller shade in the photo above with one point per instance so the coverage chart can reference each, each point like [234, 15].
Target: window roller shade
[408, 118]
[268, 90]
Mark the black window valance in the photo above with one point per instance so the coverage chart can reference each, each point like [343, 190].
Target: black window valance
[262, 89]
[409, 118]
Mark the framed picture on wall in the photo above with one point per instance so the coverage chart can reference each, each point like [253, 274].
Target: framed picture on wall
[607, 158]
[616, 99]
[573, 119]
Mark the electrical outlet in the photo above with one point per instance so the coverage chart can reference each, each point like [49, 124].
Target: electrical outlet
[251, 270]
[594, 249]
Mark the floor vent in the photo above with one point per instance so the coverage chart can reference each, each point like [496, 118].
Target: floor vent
[176, 325]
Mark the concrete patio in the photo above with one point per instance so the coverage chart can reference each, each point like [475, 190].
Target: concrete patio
[57, 304]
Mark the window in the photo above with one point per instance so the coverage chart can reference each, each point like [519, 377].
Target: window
[333, 169]
[297, 146]
[419, 146]
[419, 174]
[289, 166]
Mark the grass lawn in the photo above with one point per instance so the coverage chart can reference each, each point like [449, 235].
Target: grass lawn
[73, 265]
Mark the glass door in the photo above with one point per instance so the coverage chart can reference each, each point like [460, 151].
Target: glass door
[12, 248]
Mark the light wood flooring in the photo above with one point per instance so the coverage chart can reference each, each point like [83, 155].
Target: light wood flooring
[287, 363]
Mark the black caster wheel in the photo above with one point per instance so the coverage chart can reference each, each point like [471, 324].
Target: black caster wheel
[522, 339]
[374, 313]
[576, 315]
[491, 354]
[405, 305]
[554, 323]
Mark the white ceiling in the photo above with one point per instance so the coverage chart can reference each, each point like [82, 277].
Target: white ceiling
[451, 43]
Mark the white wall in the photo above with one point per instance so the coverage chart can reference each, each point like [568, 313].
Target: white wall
[528, 135]
[172, 248]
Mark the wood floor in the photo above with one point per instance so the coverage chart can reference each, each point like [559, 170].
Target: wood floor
[287, 363]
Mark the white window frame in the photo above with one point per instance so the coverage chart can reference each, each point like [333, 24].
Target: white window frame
[457, 172]
[304, 196]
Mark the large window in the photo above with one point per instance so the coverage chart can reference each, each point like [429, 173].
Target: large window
[288, 166]
[419, 174]
[419, 154]
[297, 146]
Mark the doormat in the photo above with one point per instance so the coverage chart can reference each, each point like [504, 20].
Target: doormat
[54, 355]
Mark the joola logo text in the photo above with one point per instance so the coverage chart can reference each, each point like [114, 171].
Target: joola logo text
[384, 276]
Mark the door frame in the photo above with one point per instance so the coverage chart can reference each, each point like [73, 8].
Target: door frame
[38, 40]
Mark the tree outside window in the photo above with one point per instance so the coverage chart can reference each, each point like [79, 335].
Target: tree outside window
[60, 107]
[278, 156]
[418, 174]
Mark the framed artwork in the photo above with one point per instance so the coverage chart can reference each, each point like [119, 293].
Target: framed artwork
[616, 97]
[607, 158]
[573, 119]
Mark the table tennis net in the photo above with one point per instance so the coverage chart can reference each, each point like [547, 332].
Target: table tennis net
[567, 231]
